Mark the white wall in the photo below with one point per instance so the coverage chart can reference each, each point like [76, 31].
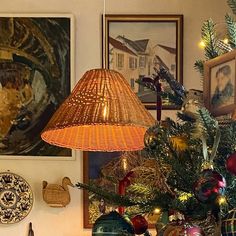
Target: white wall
[69, 221]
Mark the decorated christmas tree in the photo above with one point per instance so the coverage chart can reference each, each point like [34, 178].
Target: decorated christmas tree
[187, 168]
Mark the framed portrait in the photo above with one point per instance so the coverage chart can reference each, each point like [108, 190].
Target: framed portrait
[105, 169]
[137, 45]
[36, 75]
[219, 84]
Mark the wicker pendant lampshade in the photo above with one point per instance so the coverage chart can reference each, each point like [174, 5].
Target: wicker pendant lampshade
[101, 114]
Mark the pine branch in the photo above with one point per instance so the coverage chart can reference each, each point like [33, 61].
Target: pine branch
[232, 5]
[209, 38]
[173, 98]
[109, 196]
[184, 117]
[173, 126]
[208, 123]
[231, 28]
[150, 86]
[228, 141]
[139, 189]
[160, 199]
[177, 88]
[199, 66]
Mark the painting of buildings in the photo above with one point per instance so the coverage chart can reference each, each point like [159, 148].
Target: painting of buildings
[137, 49]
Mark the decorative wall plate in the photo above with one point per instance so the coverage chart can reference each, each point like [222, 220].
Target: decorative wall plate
[16, 198]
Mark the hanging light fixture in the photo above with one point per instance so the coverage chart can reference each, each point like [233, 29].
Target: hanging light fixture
[101, 114]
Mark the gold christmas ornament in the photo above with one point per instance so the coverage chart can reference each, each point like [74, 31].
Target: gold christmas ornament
[179, 143]
[207, 165]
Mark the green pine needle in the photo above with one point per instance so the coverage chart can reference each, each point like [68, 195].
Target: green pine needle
[139, 189]
[199, 66]
[112, 197]
[209, 38]
[173, 98]
[231, 28]
[208, 124]
[232, 5]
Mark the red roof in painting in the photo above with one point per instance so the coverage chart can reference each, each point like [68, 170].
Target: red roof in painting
[117, 44]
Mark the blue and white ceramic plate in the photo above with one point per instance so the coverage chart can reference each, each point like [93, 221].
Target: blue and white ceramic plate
[16, 198]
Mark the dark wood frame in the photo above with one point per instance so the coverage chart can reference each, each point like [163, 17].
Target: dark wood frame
[207, 83]
[85, 192]
[86, 223]
[178, 19]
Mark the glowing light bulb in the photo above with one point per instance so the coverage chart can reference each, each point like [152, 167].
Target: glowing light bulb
[185, 196]
[124, 163]
[157, 211]
[222, 200]
[226, 41]
[202, 44]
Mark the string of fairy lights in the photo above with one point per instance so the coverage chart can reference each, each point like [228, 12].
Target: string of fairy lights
[202, 44]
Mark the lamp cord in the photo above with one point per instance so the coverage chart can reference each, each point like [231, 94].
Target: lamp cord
[103, 34]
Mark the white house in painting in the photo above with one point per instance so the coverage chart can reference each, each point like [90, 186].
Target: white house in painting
[133, 59]
[165, 56]
[137, 58]
[144, 51]
[124, 60]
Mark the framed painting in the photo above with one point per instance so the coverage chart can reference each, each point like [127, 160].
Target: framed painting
[219, 84]
[105, 169]
[137, 45]
[36, 75]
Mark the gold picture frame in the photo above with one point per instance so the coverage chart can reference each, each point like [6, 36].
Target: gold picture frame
[219, 84]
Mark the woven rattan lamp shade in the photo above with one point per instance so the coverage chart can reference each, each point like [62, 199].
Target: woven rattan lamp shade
[101, 114]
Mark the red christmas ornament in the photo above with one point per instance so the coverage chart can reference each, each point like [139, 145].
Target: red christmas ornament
[209, 186]
[125, 182]
[140, 224]
[231, 163]
[192, 230]
[184, 229]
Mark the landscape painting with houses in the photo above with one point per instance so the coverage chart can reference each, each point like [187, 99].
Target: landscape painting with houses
[137, 48]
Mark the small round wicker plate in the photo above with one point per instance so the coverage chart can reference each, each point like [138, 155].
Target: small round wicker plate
[16, 198]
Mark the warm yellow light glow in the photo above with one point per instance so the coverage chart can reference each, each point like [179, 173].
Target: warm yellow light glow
[124, 163]
[105, 112]
[222, 200]
[157, 211]
[202, 44]
[101, 114]
[184, 196]
[226, 41]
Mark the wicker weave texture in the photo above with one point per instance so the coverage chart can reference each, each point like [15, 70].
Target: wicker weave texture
[101, 114]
